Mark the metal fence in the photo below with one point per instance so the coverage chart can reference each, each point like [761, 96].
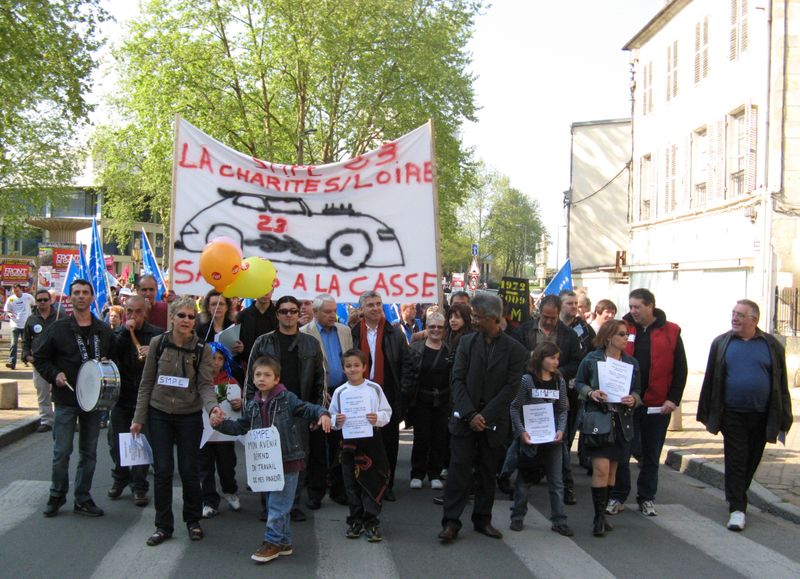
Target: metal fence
[786, 320]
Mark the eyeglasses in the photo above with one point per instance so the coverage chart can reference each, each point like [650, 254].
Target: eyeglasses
[435, 327]
[42, 300]
[182, 316]
[288, 312]
[739, 315]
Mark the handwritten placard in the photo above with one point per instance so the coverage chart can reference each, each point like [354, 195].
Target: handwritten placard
[264, 460]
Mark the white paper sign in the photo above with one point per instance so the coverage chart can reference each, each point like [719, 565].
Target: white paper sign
[355, 405]
[263, 459]
[336, 228]
[134, 451]
[546, 393]
[173, 381]
[615, 378]
[654, 410]
[229, 336]
[539, 421]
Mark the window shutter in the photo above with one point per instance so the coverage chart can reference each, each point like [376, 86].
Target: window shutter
[733, 52]
[675, 69]
[752, 148]
[716, 160]
[650, 87]
[697, 52]
[744, 39]
[669, 72]
[705, 47]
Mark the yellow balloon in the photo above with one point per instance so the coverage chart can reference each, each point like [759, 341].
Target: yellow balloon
[256, 277]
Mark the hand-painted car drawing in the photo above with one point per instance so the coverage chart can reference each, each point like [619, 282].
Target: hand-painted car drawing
[286, 230]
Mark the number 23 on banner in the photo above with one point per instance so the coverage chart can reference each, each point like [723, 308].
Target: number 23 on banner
[266, 223]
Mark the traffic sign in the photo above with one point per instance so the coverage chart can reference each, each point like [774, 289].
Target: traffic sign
[475, 249]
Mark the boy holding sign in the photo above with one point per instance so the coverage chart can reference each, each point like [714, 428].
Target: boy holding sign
[539, 419]
[273, 409]
[359, 408]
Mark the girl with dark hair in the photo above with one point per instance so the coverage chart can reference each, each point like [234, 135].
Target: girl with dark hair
[459, 323]
[606, 450]
[541, 384]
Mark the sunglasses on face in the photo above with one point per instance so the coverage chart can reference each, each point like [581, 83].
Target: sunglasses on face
[42, 300]
[288, 312]
[183, 315]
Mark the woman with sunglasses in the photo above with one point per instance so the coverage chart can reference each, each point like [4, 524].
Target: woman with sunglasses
[426, 389]
[610, 343]
[176, 388]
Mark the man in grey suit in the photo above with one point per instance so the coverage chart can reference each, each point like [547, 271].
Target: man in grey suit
[334, 339]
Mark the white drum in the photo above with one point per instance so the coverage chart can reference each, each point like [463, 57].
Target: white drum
[98, 385]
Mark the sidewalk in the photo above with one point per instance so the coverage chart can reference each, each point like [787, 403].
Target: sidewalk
[16, 424]
[696, 452]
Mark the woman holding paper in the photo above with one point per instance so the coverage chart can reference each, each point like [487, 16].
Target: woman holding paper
[539, 418]
[175, 389]
[608, 383]
[215, 318]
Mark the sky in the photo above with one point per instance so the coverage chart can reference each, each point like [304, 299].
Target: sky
[540, 65]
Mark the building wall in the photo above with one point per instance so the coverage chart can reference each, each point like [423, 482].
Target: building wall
[598, 225]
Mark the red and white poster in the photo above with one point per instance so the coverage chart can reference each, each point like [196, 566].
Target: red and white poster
[367, 223]
[15, 271]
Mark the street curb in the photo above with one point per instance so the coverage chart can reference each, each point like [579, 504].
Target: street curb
[17, 430]
[713, 473]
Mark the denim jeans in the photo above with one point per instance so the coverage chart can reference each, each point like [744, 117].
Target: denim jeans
[651, 431]
[63, 438]
[551, 456]
[279, 505]
[136, 476]
[183, 431]
[16, 333]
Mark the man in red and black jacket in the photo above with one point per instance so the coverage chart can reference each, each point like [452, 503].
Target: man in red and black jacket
[657, 346]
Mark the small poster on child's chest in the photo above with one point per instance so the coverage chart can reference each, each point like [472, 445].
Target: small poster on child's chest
[264, 460]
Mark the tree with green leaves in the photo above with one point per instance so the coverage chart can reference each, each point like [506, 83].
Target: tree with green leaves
[290, 81]
[514, 230]
[46, 50]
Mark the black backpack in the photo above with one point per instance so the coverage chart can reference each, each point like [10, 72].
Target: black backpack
[198, 349]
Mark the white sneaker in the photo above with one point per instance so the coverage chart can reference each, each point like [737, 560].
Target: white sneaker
[736, 522]
[614, 507]
[209, 512]
[233, 501]
[443, 474]
[436, 484]
[648, 508]
[416, 483]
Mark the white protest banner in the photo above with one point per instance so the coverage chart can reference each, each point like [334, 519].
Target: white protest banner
[263, 459]
[614, 378]
[134, 450]
[368, 223]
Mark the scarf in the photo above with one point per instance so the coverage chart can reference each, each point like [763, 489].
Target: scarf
[264, 403]
[378, 361]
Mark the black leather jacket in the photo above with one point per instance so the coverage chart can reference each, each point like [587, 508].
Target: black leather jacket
[312, 374]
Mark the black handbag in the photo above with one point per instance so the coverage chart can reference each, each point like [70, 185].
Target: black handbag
[597, 429]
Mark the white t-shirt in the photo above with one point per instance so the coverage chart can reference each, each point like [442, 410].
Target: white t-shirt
[18, 309]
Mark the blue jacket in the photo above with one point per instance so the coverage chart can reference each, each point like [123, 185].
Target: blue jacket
[284, 407]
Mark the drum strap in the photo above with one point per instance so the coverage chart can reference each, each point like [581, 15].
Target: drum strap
[82, 347]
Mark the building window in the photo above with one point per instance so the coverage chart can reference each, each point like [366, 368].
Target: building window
[742, 147]
[646, 187]
[670, 178]
[697, 197]
[672, 70]
[647, 89]
[701, 50]
[739, 32]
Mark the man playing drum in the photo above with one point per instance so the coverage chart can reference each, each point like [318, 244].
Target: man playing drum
[130, 351]
[57, 357]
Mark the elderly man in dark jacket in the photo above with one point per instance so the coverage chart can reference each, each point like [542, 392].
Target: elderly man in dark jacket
[387, 349]
[486, 376]
[745, 395]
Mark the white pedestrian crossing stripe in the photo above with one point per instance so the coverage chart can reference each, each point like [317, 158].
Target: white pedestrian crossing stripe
[342, 557]
[20, 500]
[131, 557]
[555, 556]
[734, 550]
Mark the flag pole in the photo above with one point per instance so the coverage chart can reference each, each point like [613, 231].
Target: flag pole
[63, 283]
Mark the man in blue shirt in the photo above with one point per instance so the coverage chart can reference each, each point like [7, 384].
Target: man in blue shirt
[745, 395]
[334, 338]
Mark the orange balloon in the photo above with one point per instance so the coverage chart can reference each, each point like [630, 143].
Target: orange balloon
[220, 263]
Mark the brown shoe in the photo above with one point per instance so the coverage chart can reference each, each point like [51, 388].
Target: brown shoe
[285, 550]
[489, 531]
[449, 532]
[141, 499]
[267, 552]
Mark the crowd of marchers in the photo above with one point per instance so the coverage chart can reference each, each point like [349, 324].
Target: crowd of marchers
[473, 386]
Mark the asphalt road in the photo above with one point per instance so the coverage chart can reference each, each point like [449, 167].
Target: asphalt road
[687, 539]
